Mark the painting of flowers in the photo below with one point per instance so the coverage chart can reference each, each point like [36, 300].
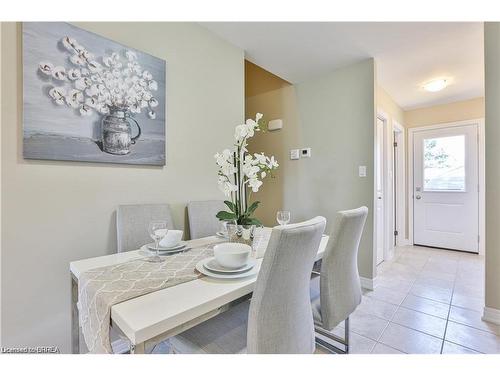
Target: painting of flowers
[88, 98]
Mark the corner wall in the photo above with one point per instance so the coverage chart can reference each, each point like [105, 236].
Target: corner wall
[492, 128]
[56, 212]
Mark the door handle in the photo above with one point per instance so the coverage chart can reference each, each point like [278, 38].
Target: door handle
[418, 197]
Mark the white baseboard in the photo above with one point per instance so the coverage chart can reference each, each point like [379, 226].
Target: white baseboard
[491, 315]
[367, 283]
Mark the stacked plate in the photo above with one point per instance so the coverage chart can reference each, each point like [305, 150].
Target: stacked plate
[181, 246]
[210, 267]
[221, 234]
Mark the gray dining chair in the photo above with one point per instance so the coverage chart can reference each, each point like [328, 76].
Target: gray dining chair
[339, 285]
[202, 220]
[279, 318]
[132, 223]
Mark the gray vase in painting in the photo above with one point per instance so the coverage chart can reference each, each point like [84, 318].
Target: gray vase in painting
[117, 132]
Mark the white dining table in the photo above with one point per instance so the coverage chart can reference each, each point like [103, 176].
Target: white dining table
[154, 317]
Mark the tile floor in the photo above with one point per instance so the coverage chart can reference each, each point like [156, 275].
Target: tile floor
[426, 301]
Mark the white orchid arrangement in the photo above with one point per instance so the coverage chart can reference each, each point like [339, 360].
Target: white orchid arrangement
[241, 172]
[118, 83]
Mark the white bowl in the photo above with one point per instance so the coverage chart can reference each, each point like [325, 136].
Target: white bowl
[172, 238]
[232, 255]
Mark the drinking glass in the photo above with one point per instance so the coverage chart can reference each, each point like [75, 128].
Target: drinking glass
[157, 230]
[283, 217]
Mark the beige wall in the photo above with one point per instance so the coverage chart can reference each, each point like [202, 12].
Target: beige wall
[275, 98]
[334, 115]
[492, 127]
[458, 111]
[57, 212]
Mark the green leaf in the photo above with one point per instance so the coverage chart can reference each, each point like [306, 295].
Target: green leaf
[253, 221]
[230, 205]
[252, 208]
[224, 215]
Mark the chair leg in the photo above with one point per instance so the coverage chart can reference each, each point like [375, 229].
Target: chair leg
[329, 346]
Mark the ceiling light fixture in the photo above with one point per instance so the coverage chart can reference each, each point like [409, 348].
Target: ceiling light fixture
[435, 85]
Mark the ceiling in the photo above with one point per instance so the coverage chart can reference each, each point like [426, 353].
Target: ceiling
[407, 54]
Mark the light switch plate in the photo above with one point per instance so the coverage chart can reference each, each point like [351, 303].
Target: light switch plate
[294, 154]
[362, 170]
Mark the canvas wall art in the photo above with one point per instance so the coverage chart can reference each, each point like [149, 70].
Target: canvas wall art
[88, 98]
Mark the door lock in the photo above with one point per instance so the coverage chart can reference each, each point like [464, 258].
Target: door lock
[418, 197]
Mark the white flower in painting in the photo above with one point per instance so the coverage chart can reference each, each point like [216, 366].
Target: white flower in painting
[74, 74]
[68, 43]
[76, 96]
[84, 72]
[91, 102]
[135, 108]
[77, 60]
[151, 114]
[153, 102]
[147, 75]
[92, 90]
[94, 66]
[59, 73]
[83, 83]
[130, 55]
[255, 184]
[85, 110]
[57, 93]
[153, 85]
[46, 67]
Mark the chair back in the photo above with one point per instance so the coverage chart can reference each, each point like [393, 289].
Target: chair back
[340, 287]
[132, 223]
[202, 220]
[280, 318]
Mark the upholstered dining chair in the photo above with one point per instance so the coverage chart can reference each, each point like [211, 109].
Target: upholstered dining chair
[202, 220]
[339, 286]
[279, 318]
[132, 223]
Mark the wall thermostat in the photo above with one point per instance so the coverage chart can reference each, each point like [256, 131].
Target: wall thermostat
[305, 152]
[275, 124]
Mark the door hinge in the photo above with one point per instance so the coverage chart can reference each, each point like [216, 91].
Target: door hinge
[396, 233]
[478, 238]
[395, 144]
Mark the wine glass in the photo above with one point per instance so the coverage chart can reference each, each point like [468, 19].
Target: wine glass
[157, 230]
[283, 217]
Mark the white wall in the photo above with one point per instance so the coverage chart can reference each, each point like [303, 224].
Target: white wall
[56, 212]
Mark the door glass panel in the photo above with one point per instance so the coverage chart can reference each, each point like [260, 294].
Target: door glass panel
[444, 163]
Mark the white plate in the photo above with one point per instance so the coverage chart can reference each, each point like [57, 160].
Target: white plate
[200, 266]
[213, 266]
[221, 235]
[146, 252]
[151, 246]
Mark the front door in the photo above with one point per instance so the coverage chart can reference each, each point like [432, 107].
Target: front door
[445, 190]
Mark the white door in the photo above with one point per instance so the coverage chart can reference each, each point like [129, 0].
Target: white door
[445, 191]
[379, 163]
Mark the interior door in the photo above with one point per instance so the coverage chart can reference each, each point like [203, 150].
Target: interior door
[379, 163]
[445, 191]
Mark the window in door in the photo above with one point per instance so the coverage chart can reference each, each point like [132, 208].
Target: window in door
[444, 163]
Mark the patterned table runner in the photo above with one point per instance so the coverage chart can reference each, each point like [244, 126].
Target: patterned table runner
[101, 288]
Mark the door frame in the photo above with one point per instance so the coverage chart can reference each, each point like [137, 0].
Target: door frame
[400, 156]
[387, 188]
[481, 174]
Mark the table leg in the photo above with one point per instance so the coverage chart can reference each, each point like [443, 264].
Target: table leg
[137, 348]
[75, 325]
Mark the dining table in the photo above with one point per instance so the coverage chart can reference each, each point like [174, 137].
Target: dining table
[154, 317]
